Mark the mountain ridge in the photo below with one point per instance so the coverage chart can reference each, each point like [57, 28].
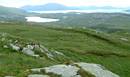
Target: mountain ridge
[7, 10]
[56, 6]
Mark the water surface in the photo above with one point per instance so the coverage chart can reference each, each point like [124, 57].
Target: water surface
[39, 19]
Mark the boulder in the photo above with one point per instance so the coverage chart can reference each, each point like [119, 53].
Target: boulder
[63, 70]
[14, 47]
[72, 70]
[28, 51]
[97, 70]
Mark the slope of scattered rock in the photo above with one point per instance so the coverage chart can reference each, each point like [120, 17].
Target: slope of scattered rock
[76, 70]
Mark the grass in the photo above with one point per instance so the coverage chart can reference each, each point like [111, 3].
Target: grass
[77, 44]
[16, 64]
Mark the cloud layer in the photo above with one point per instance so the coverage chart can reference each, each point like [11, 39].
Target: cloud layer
[114, 3]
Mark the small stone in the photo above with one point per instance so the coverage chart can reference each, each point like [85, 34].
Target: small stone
[30, 47]
[14, 47]
[36, 70]
[9, 76]
[3, 39]
[37, 75]
[5, 46]
[49, 55]
[16, 41]
[28, 51]
[36, 46]
[44, 48]
[36, 56]
[124, 39]
[59, 53]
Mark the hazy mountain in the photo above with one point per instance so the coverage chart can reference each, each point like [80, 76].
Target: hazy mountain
[46, 7]
[8, 10]
[8, 14]
[95, 7]
[128, 10]
[56, 6]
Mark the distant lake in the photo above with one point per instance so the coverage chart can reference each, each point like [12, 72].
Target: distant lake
[85, 11]
[39, 19]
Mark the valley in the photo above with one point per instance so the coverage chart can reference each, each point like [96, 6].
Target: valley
[100, 39]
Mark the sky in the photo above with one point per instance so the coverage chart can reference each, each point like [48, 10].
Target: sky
[20, 3]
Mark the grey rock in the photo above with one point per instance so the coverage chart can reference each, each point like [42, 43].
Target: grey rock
[3, 39]
[124, 39]
[37, 75]
[30, 47]
[59, 53]
[97, 70]
[14, 47]
[5, 46]
[36, 56]
[36, 70]
[46, 52]
[28, 51]
[63, 70]
[16, 41]
[49, 55]
[9, 76]
[44, 48]
[71, 70]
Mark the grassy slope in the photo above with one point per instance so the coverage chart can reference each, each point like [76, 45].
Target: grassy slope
[105, 20]
[78, 44]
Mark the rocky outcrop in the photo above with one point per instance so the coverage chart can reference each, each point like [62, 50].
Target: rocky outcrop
[97, 70]
[30, 48]
[62, 70]
[76, 70]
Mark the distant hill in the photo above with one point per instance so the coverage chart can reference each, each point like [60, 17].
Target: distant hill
[56, 6]
[95, 7]
[128, 10]
[9, 14]
[46, 7]
[8, 10]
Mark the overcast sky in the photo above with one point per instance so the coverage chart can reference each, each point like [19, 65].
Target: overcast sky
[20, 3]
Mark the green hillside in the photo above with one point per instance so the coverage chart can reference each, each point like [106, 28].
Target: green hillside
[79, 45]
[101, 38]
[107, 22]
